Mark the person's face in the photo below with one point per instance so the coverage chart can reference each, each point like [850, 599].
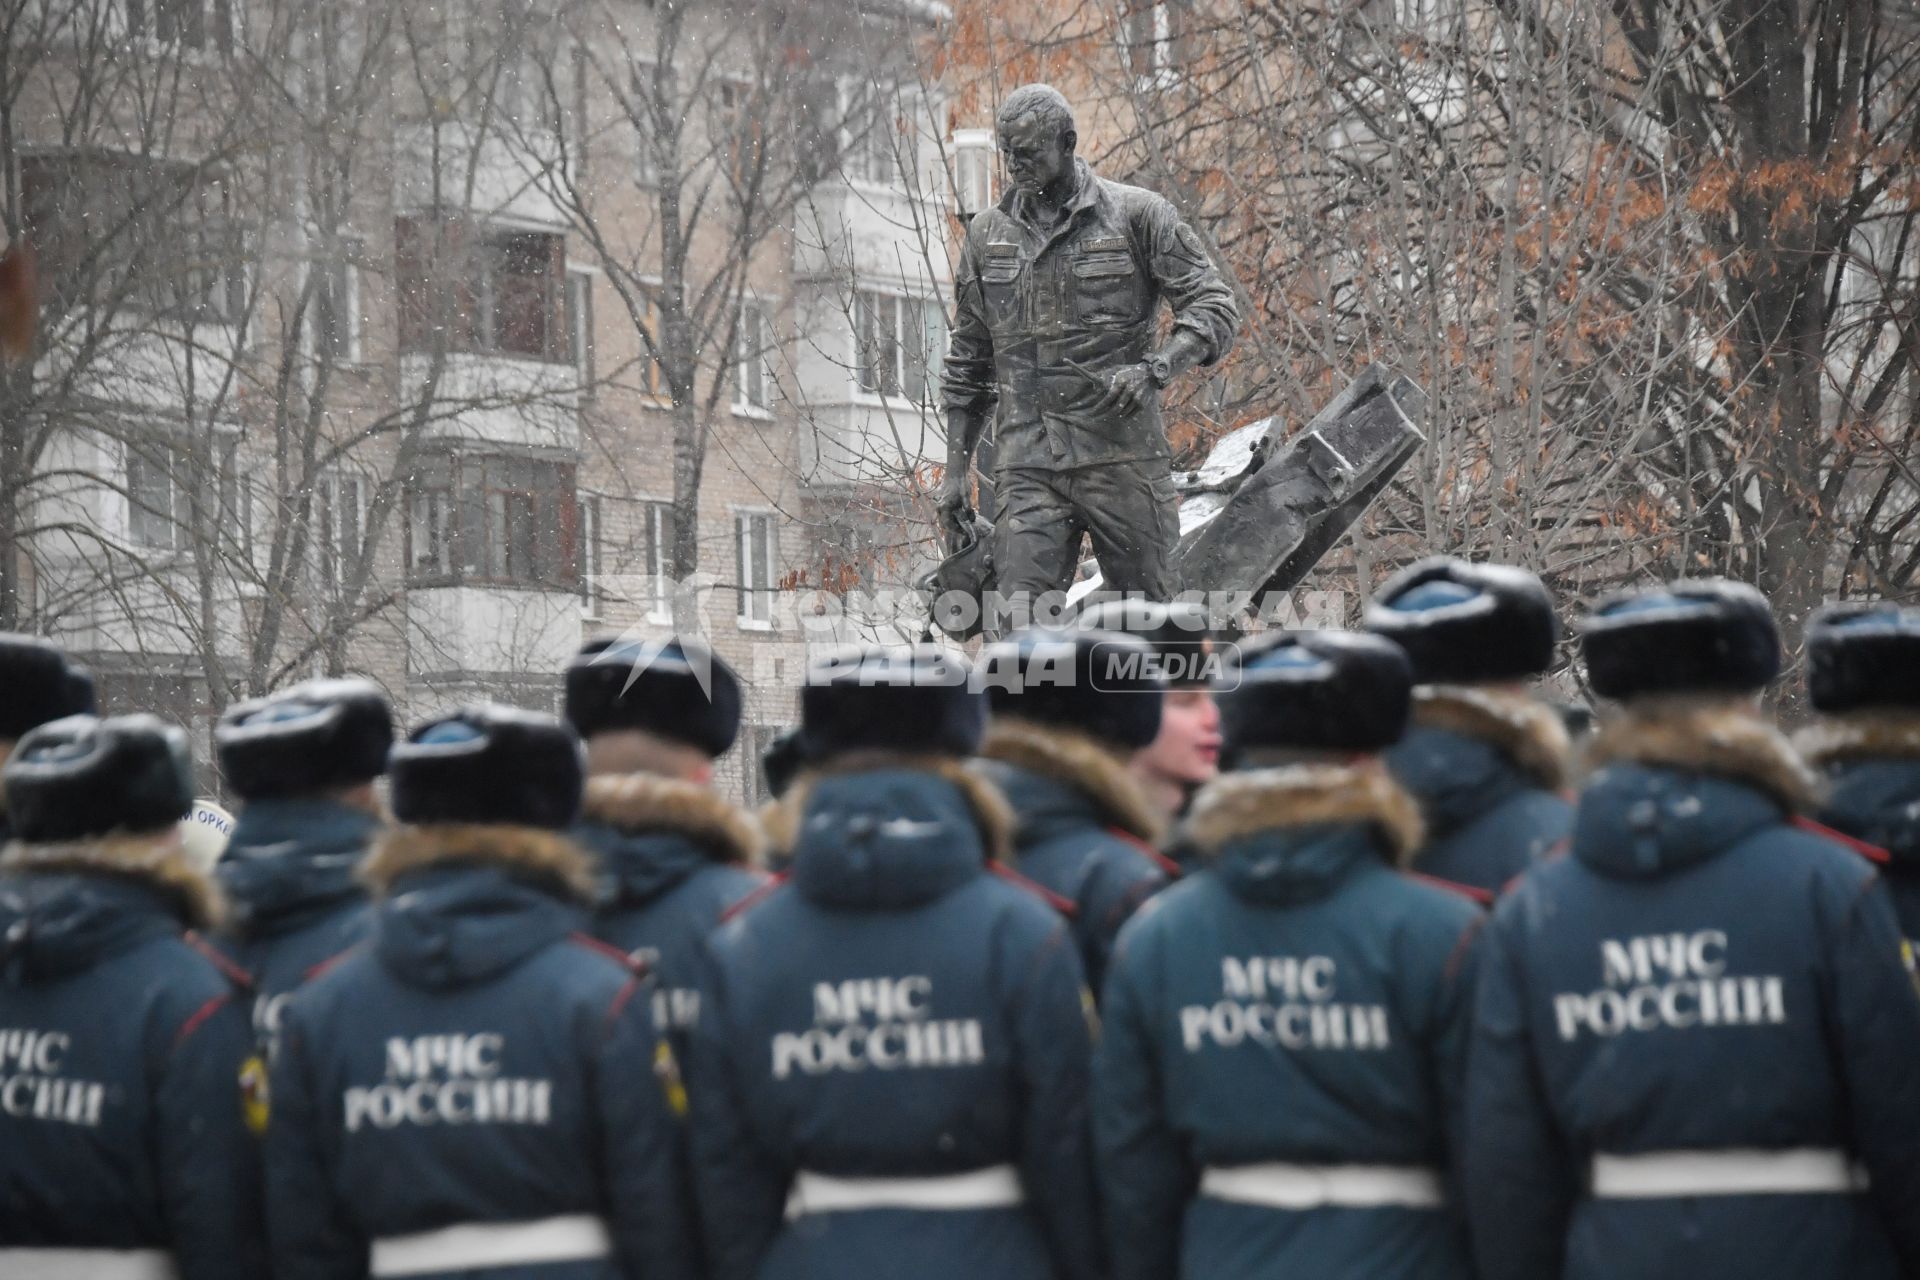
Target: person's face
[1187, 750]
[1036, 156]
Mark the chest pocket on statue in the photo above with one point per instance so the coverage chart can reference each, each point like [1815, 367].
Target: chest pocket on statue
[1000, 282]
[1106, 284]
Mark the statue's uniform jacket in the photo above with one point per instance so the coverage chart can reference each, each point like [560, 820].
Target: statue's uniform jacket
[1045, 314]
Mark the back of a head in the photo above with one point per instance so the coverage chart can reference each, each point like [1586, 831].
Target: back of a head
[38, 684]
[1316, 692]
[487, 764]
[84, 778]
[652, 706]
[1864, 658]
[1690, 637]
[1179, 631]
[1463, 623]
[917, 699]
[312, 739]
[1102, 685]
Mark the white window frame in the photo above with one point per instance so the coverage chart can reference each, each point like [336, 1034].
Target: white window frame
[209, 11]
[435, 511]
[898, 302]
[758, 567]
[976, 162]
[587, 506]
[656, 521]
[173, 462]
[753, 361]
[580, 334]
[348, 267]
[857, 136]
[1160, 74]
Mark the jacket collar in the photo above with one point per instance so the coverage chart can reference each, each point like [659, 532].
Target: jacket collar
[1076, 761]
[640, 804]
[158, 864]
[527, 852]
[1884, 735]
[1255, 801]
[1525, 729]
[1707, 737]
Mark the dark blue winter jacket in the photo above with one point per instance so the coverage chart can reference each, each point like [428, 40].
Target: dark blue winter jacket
[293, 897]
[481, 1061]
[893, 1011]
[672, 859]
[122, 1047]
[1082, 830]
[1485, 768]
[1877, 799]
[1297, 1002]
[1697, 976]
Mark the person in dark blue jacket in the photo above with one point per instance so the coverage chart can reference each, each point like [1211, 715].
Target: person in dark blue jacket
[673, 855]
[890, 1071]
[37, 684]
[303, 763]
[1694, 1036]
[1277, 1087]
[481, 1087]
[125, 1152]
[1484, 757]
[1057, 747]
[1863, 675]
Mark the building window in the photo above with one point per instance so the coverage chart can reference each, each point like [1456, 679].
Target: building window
[185, 24]
[592, 593]
[494, 519]
[753, 360]
[656, 519]
[484, 291]
[133, 234]
[236, 503]
[975, 159]
[339, 527]
[336, 310]
[580, 327]
[878, 138]
[900, 342]
[1153, 38]
[159, 510]
[757, 555]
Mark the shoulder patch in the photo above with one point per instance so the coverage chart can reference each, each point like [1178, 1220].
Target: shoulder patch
[233, 973]
[1871, 852]
[1065, 906]
[1190, 240]
[1478, 896]
[754, 899]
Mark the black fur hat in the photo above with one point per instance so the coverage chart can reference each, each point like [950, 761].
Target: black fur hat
[38, 684]
[781, 761]
[1692, 636]
[678, 689]
[1463, 623]
[489, 764]
[1862, 656]
[82, 777]
[307, 738]
[1179, 631]
[1316, 691]
[1104, 684]
[919, 698]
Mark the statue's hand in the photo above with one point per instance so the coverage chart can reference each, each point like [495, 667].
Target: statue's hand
[1127, 389]
[954, 509]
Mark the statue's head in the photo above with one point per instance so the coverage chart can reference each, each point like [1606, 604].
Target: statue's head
[1037, 137]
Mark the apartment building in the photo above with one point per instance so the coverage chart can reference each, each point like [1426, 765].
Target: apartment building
[424, 344]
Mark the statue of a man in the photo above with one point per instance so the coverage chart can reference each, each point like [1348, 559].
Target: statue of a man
[1059, 290]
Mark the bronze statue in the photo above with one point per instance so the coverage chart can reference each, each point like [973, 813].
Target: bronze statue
[1058, 295]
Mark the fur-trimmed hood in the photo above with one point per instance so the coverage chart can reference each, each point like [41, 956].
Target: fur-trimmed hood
[161, 865]
[1289, 834]
[1707, 737]
[1099, 780]
[876, 830]
[649, 835]
[1677, 782]
[1861, 735]
[522, 852]
[461, 904]
[1526, 730]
